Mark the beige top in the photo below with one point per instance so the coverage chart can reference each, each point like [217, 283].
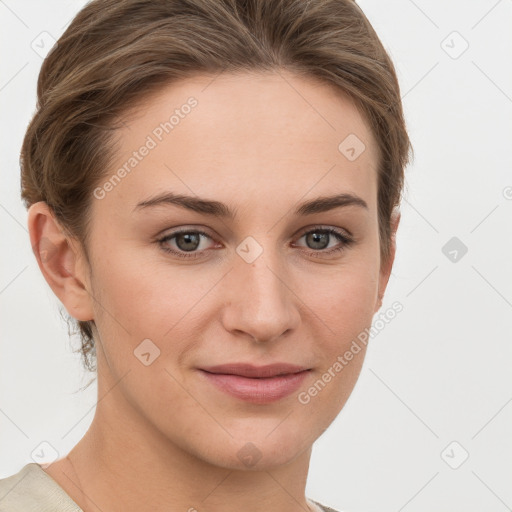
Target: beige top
[33, 490]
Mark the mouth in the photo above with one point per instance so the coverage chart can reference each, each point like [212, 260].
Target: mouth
[255, 372]
[260, 385]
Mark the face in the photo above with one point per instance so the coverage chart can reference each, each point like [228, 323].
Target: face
[251, 277]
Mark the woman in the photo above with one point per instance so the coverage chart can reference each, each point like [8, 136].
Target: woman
[213, 191]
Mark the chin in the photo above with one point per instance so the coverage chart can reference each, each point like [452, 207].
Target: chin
[258, 453]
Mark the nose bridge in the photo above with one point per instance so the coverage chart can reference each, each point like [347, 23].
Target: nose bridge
[262, 304]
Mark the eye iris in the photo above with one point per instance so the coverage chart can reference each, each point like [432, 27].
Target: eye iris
[317, 237]
[190, 238]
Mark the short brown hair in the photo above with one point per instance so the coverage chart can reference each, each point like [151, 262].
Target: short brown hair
[117, 52]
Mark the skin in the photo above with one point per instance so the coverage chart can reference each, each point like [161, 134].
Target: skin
[162, 438]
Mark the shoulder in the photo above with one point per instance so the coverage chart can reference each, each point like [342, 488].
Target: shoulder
[323, 508]
[32, 490]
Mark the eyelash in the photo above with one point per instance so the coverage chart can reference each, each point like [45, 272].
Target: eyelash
[346, 242]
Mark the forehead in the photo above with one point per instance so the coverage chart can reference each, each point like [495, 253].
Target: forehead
[221, 135]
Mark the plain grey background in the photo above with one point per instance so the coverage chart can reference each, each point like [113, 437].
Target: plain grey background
[428, 424]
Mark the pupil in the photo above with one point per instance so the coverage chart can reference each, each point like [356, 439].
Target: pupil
[319, 237]
[190, 238]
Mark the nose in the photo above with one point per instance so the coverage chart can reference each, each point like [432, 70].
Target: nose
[261, 303]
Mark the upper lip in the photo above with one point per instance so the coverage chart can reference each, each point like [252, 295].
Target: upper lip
[249, 370]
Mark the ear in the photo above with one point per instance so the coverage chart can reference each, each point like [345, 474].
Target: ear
[386, 266]
[61, 261]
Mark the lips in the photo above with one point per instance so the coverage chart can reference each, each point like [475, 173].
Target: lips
[259, 385]
[249, 370]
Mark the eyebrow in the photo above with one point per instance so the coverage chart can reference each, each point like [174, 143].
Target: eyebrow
[218, 209]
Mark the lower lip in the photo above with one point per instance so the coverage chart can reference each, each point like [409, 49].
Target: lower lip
[258, 391]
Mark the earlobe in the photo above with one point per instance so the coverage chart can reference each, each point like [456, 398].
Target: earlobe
[385, 270]
[60, 261]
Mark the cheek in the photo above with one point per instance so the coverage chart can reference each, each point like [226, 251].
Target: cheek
[141, 301]
[345, 299]
[341, 314]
